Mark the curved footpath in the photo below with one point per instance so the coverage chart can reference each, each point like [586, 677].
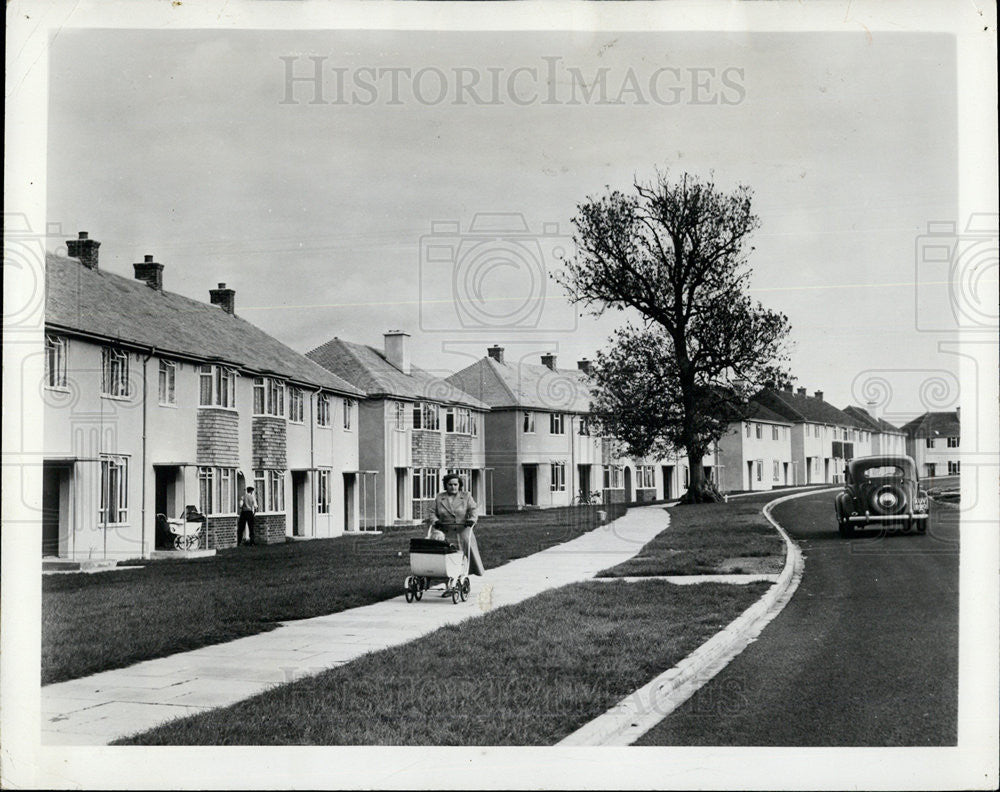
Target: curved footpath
[97, 709]
[632, 717]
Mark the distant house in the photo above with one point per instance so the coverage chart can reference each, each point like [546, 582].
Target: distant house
[539, 441]
[414, 427]
[823, 438]
[756, 453]
[154, 402]
[934, 440]
[886, 438]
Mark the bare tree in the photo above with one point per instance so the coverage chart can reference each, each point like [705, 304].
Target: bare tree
[675, 252]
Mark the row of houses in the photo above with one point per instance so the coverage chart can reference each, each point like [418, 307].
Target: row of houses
[154, 403]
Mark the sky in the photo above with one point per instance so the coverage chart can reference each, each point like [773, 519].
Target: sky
[348, 209]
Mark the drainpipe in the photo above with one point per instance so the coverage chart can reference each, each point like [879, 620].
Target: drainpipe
[312, 459]
[572, 458]
[142, 529]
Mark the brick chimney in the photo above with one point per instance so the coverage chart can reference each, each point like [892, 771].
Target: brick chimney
[224, 298]
[583, 365]
[496, 352]
[871, 409]
[788, 387]
[549, 361]
[151, 272]
[958, 414]
[801, 391]
[84, 249]
[397, 349]
[819, 395]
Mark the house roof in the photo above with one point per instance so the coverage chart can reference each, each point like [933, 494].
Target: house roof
[525, 385]
[368, 369]
[758, 412]
[112, 307]
[799, 408]
[935, 424]
[869, 422]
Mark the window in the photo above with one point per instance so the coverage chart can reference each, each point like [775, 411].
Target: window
[929, 442]
[348, 414]
[114, 489]
[55, 362]
[777, 471]
[168, 381]
[473, 423]
[322, 410]
[758, 431]
[425, 484]
[399, 408]
[269, 487]
[747, 425]
[687, 477]
[529, 422]
[457, 420]
[954, 468]
[557, 482]
[583, 428]
[816, 430]
[952, 442]
[774, 433]
[645, 477]
[426, 416]
[114, 373]
[557, 424]
[612, 477]
[268, 397]
[295, 410]
[759, 467]
[217, 490]
[323, 492]
[217, 387]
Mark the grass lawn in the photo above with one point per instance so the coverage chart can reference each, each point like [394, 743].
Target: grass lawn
[527, 674]
[91, 623]
[711, 538]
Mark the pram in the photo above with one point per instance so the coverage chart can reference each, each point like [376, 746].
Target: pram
[433, 562]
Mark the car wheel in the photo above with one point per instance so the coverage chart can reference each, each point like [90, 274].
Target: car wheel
[846, 529]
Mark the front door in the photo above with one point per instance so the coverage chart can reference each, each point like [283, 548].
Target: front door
[629, 497]
[55, 490]
[583, 473]
[350, 524]
[668, 481]
[530, 498]
[299, 510]
[401, 500]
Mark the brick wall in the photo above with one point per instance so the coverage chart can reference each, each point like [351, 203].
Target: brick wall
[426, 448]
[457, 451]
[269, 442]
[220, 532]
[644, 495]
[269, 528]
[613, 495]
[218, 438]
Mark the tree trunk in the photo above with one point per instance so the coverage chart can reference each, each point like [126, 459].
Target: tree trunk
[700, 489]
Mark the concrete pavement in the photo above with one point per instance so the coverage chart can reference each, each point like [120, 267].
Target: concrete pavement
[98, 709]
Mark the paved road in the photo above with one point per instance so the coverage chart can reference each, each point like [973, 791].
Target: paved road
[866, 653]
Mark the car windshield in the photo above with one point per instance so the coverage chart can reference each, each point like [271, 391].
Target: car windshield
[885, 471]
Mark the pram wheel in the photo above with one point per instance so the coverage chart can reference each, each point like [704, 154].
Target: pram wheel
[418, 588]
[464, 588]
[409, 588]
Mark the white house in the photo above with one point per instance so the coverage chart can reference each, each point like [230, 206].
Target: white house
[756, 453]
[154, 402]
[934, 440]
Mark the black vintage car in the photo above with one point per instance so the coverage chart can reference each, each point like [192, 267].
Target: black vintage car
[881, 489]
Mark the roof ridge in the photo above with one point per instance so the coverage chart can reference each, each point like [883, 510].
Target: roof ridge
[491, 364]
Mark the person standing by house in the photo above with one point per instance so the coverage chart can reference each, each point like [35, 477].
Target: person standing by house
[248, 508]
[455, 513]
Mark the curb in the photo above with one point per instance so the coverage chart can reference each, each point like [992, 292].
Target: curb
[635, 715]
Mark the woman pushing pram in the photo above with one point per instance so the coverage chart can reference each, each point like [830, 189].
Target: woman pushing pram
[449, 554]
